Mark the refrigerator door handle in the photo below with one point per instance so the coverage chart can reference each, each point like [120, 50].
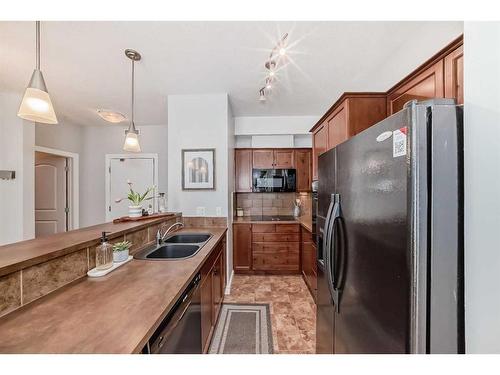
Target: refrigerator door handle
[326, 244]
[342, 259]
[330, 246]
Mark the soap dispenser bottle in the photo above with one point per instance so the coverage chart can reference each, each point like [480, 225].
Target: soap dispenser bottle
[104, 254]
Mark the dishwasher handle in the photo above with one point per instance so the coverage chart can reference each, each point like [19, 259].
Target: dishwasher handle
[179, 311]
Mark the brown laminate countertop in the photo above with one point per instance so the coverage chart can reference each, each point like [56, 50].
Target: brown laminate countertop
[305, 221]
[116, 313]
[19, 255]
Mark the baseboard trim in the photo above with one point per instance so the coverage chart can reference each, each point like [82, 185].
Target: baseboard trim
[228, 286]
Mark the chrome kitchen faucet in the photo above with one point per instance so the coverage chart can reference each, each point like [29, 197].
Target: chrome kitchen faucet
[160, 237]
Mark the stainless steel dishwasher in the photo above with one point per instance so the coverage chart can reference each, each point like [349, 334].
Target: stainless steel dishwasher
[180, 331]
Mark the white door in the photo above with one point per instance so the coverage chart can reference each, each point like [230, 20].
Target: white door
[51, 207]
[140, 171]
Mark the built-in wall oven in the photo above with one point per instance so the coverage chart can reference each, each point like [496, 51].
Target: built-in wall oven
[273, 180]
[180, 331]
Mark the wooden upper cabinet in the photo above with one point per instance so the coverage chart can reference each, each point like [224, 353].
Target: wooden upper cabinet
[351, 114]
[338, 131]
[320, 145]
[283, 159]
[454, 75]
[263, 159]
[303, 166]
[243, 170]
[273, 158]
[425, 85]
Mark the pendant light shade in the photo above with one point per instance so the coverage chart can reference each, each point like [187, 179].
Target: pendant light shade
[132, 141]
[36, 104]
[132, 134]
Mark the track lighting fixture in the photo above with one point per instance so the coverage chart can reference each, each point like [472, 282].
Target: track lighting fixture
[262, 95]
[277, 54]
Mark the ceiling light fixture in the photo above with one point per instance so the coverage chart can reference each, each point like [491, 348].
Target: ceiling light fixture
[275, 58]
[262, 95]
[131, 135]
[36, 104]
[269, 85]
[111, 116]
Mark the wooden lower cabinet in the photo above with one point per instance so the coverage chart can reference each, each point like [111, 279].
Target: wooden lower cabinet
[242, 247]
[308, 261]
[212, 293]
[206, 311]
[273, 248]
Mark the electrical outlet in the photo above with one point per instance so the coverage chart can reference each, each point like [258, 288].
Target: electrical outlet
[200, 211]
[218, 211]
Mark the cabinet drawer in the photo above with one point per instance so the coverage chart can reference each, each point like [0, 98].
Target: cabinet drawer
[287, 228]
[275, 237]
[263, 228]
[272, 247]
[281, 260]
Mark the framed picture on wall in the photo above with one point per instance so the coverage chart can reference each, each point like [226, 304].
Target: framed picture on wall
[198, 169]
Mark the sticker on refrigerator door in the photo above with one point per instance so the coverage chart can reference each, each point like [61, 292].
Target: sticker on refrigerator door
[399, 142]
[383, 136]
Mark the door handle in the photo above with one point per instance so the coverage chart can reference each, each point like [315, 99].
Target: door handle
[333, 214]
[342, 256]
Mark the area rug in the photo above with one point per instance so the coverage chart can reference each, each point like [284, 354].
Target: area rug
[243, 329]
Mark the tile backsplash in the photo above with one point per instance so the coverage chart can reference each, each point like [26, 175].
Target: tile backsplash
[271, 204]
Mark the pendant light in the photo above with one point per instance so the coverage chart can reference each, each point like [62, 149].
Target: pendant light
[132, 134]
[36, 104]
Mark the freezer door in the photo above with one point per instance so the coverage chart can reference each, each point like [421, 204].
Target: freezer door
[325, 325]
[372, 256]
[326, 180]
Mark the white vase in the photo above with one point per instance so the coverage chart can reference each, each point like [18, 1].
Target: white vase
[134, 211]
[120, 256]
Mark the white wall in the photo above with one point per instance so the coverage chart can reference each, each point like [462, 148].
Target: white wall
[92, 143]
[17, 198]
[108, 139]
[274, 131]
[482, 186]
[260, 125]
[64, 136]
[198, 121]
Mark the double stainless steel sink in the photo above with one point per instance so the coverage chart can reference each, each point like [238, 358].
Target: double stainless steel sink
[178, 246]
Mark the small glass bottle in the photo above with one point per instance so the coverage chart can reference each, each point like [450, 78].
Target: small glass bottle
[162, 202]
[104, 254]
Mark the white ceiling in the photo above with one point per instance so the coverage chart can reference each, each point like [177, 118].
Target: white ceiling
[85, 67]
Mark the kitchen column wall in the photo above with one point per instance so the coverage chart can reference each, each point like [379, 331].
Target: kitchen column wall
[195, 122]
[482, 185]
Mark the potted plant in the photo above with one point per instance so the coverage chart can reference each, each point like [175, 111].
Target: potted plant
[136, 199]
[121, 251]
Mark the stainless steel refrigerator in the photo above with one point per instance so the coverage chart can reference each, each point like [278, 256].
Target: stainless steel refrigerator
[390, 236]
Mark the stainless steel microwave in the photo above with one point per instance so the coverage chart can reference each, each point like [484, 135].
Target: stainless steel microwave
[273, 180]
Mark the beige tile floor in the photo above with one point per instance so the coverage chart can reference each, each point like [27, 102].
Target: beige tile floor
[293, 312]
